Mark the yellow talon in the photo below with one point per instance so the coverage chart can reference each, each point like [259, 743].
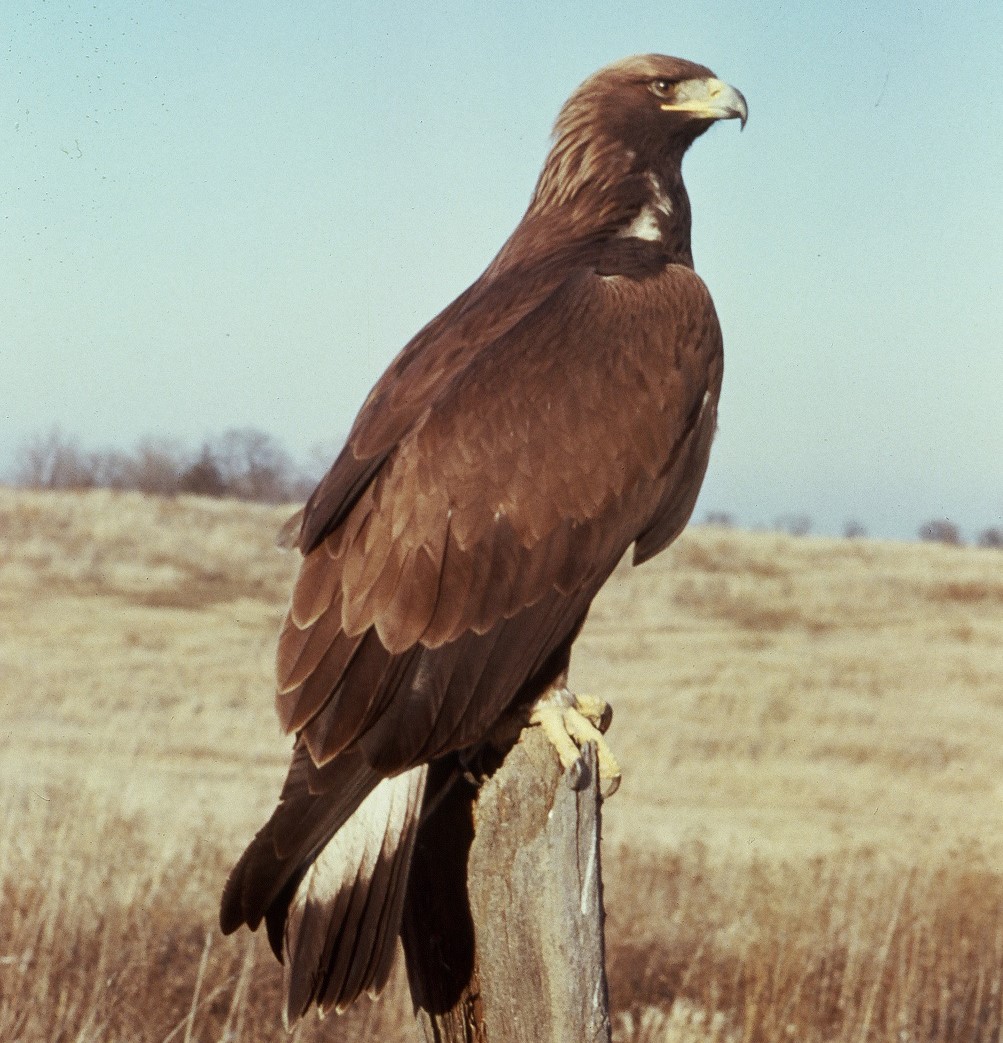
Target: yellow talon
[597, 710]
[571, 722]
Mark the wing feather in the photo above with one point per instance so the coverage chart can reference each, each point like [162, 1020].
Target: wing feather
[301, 648]
[409, 610]
[350, 701]
[316, 586]
[455, 584]
[298, 705]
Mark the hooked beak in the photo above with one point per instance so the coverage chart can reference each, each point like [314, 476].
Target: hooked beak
[709, 99]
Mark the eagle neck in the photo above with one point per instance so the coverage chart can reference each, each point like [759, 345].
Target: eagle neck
[674, 214]
[593, 189]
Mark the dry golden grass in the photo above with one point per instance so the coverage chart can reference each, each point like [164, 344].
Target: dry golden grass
[805, 846]
[853, 949]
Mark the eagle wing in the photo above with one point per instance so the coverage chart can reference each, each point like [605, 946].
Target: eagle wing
[487, 491]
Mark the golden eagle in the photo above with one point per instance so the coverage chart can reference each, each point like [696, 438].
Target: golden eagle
[558, 411]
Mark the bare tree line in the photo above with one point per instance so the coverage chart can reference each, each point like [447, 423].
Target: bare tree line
[242, 463]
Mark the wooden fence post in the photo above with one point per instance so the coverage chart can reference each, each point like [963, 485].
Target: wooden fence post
[503, 923]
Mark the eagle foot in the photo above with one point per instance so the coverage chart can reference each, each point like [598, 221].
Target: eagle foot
[572, 721]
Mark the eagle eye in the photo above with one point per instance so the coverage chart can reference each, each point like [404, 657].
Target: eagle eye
[661, 88]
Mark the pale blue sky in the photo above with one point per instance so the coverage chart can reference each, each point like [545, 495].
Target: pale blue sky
[233, 214]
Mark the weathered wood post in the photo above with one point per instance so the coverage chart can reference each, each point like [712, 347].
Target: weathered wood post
[503, 923]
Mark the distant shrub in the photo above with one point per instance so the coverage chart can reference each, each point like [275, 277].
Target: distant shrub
[54, 460]
[941, 530]
[853, 530]
[991, 538]
[204, 477]
[252, 464]
[155, 466]
[793, 524]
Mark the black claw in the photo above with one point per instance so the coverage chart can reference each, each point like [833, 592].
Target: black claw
[606, 719]
[579, 775]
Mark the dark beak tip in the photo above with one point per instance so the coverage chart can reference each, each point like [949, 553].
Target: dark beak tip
[741, 109]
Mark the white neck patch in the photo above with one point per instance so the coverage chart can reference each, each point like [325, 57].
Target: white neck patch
[645, 224]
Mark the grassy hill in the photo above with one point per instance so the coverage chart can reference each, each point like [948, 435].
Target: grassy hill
[805, 844]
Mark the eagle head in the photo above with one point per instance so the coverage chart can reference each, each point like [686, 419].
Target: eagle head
[615, 164]
[651, 103]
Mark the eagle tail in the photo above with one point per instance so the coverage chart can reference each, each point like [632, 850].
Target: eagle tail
[342, 922]
[327, 873]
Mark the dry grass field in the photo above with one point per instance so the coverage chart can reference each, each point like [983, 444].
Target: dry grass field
[806, 846]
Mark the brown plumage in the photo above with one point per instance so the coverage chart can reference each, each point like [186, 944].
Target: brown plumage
[560, 410]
